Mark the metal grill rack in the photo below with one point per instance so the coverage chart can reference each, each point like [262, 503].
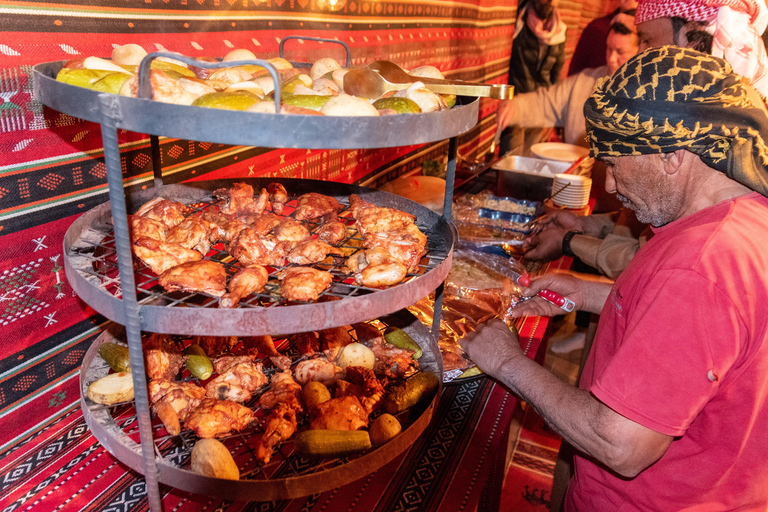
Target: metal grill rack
[118, 298]
[99, 261]
[287, 475]
[91, 263]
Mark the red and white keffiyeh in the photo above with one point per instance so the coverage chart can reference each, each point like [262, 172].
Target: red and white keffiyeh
[691, 10]
[736, 26]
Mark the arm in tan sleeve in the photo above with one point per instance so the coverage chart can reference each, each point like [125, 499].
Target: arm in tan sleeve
[614, 254]
[599, 225]
[544, 106]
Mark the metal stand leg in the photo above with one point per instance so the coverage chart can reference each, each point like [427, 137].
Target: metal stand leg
[111, 112]
[157, 169]
[450, 177]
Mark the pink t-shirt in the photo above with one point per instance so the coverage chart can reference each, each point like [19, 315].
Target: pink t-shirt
[682, 348]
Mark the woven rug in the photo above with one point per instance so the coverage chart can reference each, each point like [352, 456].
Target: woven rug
[528, 484]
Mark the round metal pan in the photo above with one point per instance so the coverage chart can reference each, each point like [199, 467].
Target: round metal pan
[287, 476]
[251, 128]
[189, 314]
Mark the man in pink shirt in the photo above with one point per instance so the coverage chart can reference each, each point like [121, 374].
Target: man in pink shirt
[672, 409]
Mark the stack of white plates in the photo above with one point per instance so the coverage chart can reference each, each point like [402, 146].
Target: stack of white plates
[571, 191]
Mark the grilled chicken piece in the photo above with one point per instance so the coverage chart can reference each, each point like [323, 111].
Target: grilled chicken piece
[406, 245]
[313, 205]
[278, 196]
[174, 401]
[266, 345]
[390, 229]
[317, 370]
[261, 223]
[373, 219]
[166, 211]
[262, 201]
[238, 378]
[376, 268]
[365, 386]
[359, 260]
[239, 200]
[144, 227]
[279, 426]
[215, 345]
[192, 233]
[224, 228]
[246, 281]
[283, 390]
[225, 363]
[343, 413]
[250, 249]
[161, 256]
[216, 418]
[165, 88]
[290, 232]
[391, 362]
[308, 343]
[334, 339]
[382, 275]
[196, 276]
[284, 398]
[312, 251]
[303, 283]
[162, 358]
[332, 231]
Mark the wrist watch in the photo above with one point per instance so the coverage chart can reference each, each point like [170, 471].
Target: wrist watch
[566, 247]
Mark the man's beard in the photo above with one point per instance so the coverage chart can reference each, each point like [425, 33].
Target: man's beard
[645, 216]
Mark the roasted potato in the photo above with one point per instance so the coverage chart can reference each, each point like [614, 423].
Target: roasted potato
[112, 389]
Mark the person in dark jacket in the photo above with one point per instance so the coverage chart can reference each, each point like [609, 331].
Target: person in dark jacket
[538, 55]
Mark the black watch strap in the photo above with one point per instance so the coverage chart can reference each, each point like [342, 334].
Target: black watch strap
[567, 243]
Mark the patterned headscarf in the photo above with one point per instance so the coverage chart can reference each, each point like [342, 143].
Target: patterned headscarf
[691, 10]
[671, 98]
[736, 27]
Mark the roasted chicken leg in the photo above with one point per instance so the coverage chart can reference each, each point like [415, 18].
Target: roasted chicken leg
[246, 281]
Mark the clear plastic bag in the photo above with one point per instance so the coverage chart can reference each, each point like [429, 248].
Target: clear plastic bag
[479, 287]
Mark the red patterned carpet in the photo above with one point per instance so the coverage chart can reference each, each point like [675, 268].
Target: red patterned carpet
[529, 479]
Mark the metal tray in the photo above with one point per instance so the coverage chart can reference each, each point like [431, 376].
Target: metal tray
[251, 128]
[286, 476]
[91, 267]
[527, 178]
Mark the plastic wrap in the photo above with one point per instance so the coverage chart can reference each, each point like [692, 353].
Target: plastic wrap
[479, 287]
[488, 200]
[480, 216]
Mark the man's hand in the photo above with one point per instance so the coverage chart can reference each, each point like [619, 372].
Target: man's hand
[504, 114]
[493, 346]
[546, 240]
[546, 244]
[588, 293]
[566, 220]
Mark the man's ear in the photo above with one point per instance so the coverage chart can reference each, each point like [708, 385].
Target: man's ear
[673, 161]
[681, 37]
